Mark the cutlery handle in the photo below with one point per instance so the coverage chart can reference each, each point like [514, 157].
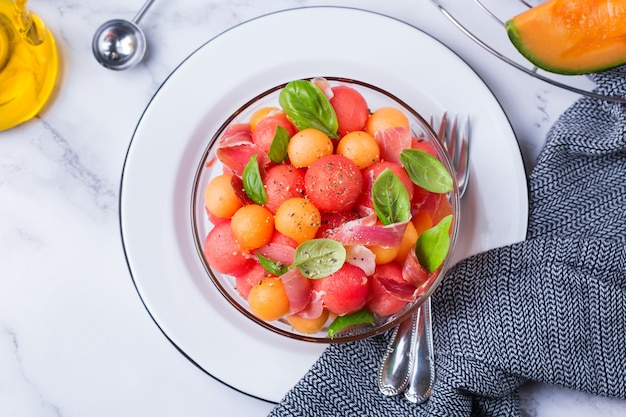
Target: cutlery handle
[393, 377]
[422, 374]
[142, 11]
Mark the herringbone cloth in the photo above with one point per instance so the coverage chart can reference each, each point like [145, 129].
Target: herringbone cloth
[551, 308]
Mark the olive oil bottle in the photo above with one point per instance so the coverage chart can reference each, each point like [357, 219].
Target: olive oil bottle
[29, 63]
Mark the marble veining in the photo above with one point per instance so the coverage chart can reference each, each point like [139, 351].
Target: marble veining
[26, 396]
[61, 152]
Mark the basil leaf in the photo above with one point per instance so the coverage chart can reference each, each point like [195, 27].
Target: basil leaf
[319, 258]
[307, 106]
[278, 148]
[352, 319]
[426, 171]
[433, 244]
[391, 198]
[271, 266]
[252, 182]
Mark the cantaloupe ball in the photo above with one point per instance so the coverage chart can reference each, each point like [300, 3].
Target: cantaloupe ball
[268, 299]
[298, 219]
[307, 146]
[386, 118]
[306, 325]
[220, 198]
[384, 255]
[360, 148]
[252, 226]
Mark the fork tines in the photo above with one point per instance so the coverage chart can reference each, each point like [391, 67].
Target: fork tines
[456, 144]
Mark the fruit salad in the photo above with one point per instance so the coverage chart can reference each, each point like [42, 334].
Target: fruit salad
[326, 213]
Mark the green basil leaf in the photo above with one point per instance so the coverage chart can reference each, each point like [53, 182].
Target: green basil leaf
[426, 171]
[252, 182]
[352, 319]
[278, 148]
[271, 266]
[433, 245]
[307, 106]
[391, 198]
[319, 258]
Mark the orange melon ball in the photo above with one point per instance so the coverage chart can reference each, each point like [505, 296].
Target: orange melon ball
[268, 299]
[360, 148]
[408, 242]
[384, 255]
[252, 226]
[307, 146]
[308, 326]
[298, 219]
[386, 118]
[262, 113]
[422, 220]
[220, 198]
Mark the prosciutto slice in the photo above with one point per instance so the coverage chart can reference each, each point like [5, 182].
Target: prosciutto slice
[366, 231]
[315, 308]
[414, 274]
[401, 290]
[236, 148]
[392, 142]
[278, 252]
[298, 289]
[324, 85]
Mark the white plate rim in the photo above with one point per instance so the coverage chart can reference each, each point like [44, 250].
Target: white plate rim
[132, 248]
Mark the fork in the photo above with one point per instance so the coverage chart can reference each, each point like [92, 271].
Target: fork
[408, 364]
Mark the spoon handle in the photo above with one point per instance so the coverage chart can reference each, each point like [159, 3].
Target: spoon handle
[142, 11]
[408, 364]
[393, 376]
[422, 374]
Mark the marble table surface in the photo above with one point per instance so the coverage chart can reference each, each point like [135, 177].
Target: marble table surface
[75, 338]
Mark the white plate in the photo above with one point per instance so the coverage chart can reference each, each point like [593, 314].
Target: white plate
[155, 200]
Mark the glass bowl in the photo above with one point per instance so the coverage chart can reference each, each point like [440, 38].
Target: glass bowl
[202, 222]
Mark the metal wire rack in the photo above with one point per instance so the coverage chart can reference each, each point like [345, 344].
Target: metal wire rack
[483, 22]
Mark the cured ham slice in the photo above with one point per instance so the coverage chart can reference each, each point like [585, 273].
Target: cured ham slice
[392, 142]
[389, 293]
[235, 135]
[391, 280]
[298, 289]
[279, 253]
[414, 274]
[236, 148]
[315, 308]
[401, 290]
[366, 231]
[324, 85]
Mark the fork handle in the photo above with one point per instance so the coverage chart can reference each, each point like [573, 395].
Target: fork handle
[422, 373]
[393, 377]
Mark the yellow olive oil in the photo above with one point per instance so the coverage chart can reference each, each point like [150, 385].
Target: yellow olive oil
[29, 64]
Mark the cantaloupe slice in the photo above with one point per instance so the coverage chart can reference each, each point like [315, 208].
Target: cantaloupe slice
[572, 36]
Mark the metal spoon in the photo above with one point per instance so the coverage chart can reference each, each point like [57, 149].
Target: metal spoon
[119, 44]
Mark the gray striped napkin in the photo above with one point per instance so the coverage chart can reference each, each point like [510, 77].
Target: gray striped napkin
[550, 309]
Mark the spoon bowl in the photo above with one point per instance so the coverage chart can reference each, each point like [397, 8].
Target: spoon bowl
[119, 44]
